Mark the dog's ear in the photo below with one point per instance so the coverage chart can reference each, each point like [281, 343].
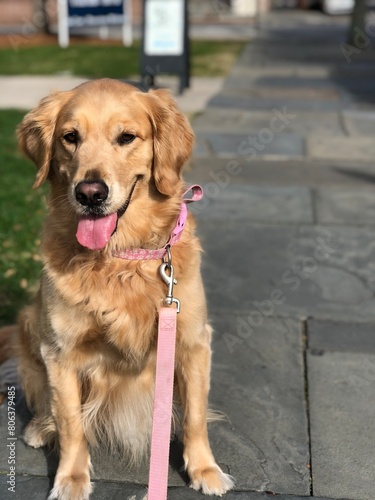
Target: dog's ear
[35, 133]
[173, 140]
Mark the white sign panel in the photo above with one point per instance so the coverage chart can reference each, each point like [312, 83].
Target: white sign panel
[338, 6]
[164, 28]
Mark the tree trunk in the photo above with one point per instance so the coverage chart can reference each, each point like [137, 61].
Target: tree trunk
[358, 21]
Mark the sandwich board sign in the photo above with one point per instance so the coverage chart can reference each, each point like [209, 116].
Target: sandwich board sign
[93, 13]
[165, 47]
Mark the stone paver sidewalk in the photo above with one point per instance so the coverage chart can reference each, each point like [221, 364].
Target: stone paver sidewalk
[285, 153]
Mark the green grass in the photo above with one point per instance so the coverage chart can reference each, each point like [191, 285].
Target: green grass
[96, 60]
[21, 214]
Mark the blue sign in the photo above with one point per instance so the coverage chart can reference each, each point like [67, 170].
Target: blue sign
[95, 12]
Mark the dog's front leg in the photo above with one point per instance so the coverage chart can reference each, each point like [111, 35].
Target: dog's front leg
[193, 373]
[72, 481]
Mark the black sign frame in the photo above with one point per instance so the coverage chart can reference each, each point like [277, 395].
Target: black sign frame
[152, 65]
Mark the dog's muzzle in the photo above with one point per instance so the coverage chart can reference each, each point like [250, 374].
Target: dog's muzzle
[95, 229]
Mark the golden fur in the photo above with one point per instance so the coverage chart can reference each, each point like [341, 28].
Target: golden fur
[88, 341]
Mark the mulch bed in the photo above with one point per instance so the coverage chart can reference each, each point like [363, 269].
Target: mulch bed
[19, 40]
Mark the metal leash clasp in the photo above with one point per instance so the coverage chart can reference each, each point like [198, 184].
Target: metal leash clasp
[167, 273]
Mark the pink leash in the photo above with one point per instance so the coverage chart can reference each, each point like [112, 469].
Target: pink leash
[162, 418]
[163, 398]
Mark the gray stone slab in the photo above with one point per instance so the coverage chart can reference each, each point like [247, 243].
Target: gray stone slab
[345, 206]
[320, 271]
[341, 336]
[326, 91]
[281, 46]
[37, 488]
[114, 467]
[29, 461]
[256, 203]
[344, 148]
[188, 494]
[263, 144]
[277, 52]
[254, 103]
[275, 82]
[278, 120]
[252, 74]
[43, 462]
[359, 123]
[201, 148]
[281, 172]
[258, 382]
[341, 395]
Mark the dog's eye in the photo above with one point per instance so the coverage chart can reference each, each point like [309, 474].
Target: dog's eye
[71, 137]
[125, 138]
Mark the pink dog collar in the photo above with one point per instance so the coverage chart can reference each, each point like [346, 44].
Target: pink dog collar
[143, 253]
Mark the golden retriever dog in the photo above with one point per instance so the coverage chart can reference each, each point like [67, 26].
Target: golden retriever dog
[113, 156]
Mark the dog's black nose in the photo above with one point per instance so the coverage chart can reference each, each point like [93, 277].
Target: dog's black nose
[91, 193]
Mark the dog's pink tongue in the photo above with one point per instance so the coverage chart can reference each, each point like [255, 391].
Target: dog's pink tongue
[95, 232]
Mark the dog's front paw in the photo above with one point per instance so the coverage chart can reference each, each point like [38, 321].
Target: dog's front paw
[211, 480]
[73, 487]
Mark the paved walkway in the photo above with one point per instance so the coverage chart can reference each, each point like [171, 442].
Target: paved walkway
[285, 150]
[26, 91]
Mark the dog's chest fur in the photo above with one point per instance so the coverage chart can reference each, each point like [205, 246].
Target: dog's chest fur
[108, 311]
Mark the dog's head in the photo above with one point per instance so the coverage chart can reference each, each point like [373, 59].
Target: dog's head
[100, 143]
